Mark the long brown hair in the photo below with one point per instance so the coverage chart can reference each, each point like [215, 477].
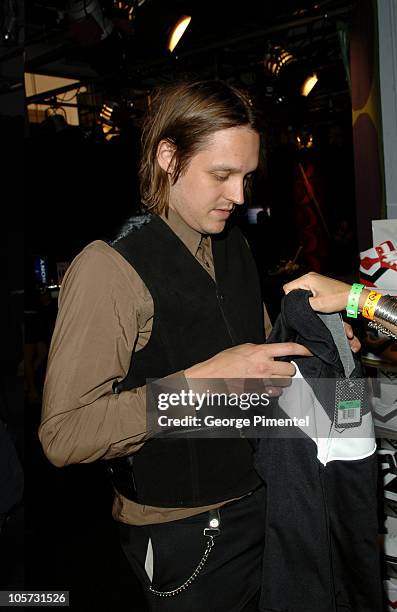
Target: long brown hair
[186, 114]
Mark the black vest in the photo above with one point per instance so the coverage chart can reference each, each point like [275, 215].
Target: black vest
[194, 319]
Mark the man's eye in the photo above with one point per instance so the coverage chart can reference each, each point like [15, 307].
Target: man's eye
[221, 177]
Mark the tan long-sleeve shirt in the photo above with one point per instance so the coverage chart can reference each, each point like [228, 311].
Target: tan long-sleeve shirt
[105, 314]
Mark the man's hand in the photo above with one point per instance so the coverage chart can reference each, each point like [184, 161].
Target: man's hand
[250, 361]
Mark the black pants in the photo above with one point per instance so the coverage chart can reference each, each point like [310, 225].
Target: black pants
[230, 579]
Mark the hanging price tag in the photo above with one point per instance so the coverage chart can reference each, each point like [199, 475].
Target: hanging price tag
[349, 398]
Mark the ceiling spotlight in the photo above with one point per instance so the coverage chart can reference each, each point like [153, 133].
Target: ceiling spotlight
[54, 121]
[177, 32]
[277, 59]
[308, 85]
[108, 119]
[10, 20]
[109, 113]
[304, 140]
[128, 7]
[114, 116]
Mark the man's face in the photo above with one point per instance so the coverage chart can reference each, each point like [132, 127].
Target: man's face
[213, 183]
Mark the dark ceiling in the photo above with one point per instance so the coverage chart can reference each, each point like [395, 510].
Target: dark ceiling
[224, 40]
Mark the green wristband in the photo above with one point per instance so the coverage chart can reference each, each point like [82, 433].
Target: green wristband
[353, 300]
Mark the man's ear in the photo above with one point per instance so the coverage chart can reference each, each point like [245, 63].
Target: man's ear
[165, 154]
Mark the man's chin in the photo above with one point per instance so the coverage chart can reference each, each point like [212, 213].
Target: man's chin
[215, 227]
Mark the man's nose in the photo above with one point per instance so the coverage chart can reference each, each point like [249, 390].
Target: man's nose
[236, 192]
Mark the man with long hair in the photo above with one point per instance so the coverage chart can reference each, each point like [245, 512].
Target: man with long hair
[174, 297]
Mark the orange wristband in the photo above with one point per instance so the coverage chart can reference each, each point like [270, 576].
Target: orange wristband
[370, 304]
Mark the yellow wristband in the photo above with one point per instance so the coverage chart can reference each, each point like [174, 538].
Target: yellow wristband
[370, 304]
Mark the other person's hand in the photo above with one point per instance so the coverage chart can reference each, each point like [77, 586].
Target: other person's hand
[329, 295]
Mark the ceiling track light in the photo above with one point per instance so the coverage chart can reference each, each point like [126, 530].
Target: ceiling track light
[108, 111]
[308, 85]
[107, 121]
[277, 59]
[304, 140]
[177, 32]
[114, 115]
[128, 7]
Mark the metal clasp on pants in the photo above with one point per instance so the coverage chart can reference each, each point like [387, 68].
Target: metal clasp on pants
[214, 523]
